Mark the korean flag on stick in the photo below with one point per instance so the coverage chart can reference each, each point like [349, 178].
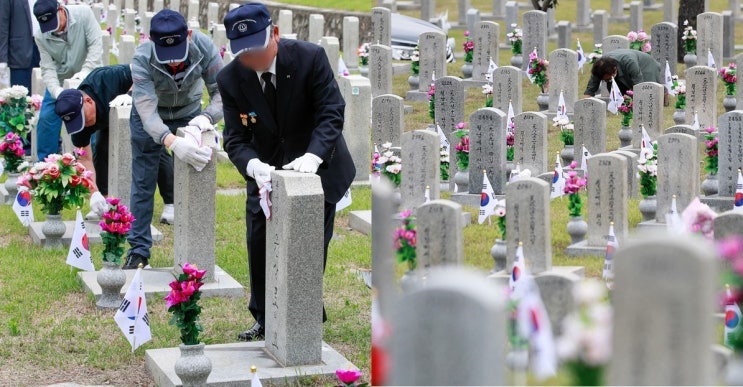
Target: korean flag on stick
[22, 206]
[558, 180]
[669, 80]
[79, 255]
[732, 316]
[738, 204]
[616, 99]
[711, 59]
[562, 108]
[611, 247]
[487, 199]
[442, 139]
[584, 159]
[132, 317]
[581, 57]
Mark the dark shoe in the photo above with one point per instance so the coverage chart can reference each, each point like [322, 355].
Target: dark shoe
[133, 260]
[257, 332]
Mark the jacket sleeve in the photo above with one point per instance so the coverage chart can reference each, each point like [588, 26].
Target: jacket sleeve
[329, 108]
[238, 140]
[145, 99]
[4, 30]
[48, 69]
[211, 69]
[93, 40]
[631, 67]
[593, 86]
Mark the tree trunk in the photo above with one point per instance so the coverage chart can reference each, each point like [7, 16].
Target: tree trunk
[688, 10]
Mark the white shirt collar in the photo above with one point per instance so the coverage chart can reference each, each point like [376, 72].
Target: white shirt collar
[272, 70]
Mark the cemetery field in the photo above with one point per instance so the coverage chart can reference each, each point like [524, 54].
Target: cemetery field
[352, 5]
[51, 332]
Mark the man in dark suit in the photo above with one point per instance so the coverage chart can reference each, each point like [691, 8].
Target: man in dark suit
[18, 51]
[282, 109]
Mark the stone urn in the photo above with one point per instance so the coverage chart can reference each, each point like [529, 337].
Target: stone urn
[364, 70]
[11, 187]
[679, 117]
[567, 154]
[734, 370]
[193, 367]
[543, 101]
[462, 180]
[467, 70]
[409, 281]
[648, 206]
[53, 230]
[498, 252]
[690, 60]
[625, 136]
[414, 82]
[729, 102]
[111, 279]
[577, 229]
[710, 185]
[517, 60]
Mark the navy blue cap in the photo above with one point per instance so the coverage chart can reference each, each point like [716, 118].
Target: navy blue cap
[69, 107]
[169, 32]
[248, 27]
[46, 14]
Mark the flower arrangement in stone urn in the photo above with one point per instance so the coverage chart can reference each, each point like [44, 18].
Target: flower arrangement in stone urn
[415, 68]
[698, 218]
[349, 377]
[689, 37]
[11, 149]
[17, 110]
[487, 90]
[537, 71]
[462, 149]
[469, 47]
[729, 78]
[597, 53]
[115, 225]
[510, 140]
[363, 54]
[193, 367]
[515, 39]
[388, 164]
[626, 108]
[648, 168]
[444, 164]
[498, 251]
[679, 88]
[567, 136]
[405, 240]
[585, 345]
[710, 184]
[432, 102]
[56, 183]
[639, 41]
[577, 227]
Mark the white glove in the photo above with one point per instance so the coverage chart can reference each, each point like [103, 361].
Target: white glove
[80, 75]
[305, 164]
[121, 100]
[4, 75]
[187, 152]
[260, 171]
[98, 203]
[56, 92]
[202, 122]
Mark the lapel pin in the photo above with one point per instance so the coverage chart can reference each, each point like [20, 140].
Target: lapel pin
[288, 76]
[244, 118]
[252, 117]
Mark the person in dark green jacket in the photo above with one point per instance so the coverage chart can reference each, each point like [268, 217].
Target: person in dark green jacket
[627, 67]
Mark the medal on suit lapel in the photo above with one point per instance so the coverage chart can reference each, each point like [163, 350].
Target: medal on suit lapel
[252, 117]
[244, 118]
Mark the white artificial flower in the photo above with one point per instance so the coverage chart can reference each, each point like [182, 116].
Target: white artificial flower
[382, 160]
[388, 154]
[387, 145]
[394, 168]
[487, 89]
[589, 292]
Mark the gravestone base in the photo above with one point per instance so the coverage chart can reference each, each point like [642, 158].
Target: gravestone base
[407, 5]
[649, 226]
[470, 200]
[501, 278]
[156, 282]
[490, 17]
[583, 249]
[718, 203]
[361, 221]
[400, 68]
[619, 19]
[231, 365]
[91, 228]
[5, 197]
[585, 28]
[471, 83]
[416, 96]
[551, 115]
[407, 109]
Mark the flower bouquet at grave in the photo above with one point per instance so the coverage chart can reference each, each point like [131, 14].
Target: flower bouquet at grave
[567, 129]
[444, 164]
[415, 65]
[727, 74]
[58, 182]
[698, 218]
[405, 240]
[689, 37]
[389, 164]
[647, 164]
[573, 185]
[710, 150]
[585, 345]
[680, 94]
[183, 300]
[364, 54]
[462, 147]
[514, 37]
[11, 148]
[639, 41]
[469, 47]
[626, 108]
[115, 226]
[538, 71]
[432, 102]
[510, 140]
[17, 110]
[596, 54]
[349, 377]
[500, 214]
[487, 89]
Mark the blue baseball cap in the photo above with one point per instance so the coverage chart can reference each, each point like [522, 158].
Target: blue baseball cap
[69, 107]
[46, 14]
[169, 32]
[248, 27]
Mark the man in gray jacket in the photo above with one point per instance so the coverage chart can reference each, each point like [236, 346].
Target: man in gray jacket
[69, 40]
[169, 74]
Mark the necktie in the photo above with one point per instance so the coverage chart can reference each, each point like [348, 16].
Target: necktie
[269, 91]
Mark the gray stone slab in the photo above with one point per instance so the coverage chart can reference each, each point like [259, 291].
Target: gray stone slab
[356, 91]
[502, 276]
[614, 42]
[663, 40]
[607, 198]
[487, 150]
[528, 206]
[728, 224]
[678, 159]
[730, 134]
[156, 282]
[600, 26]
[507, 87]
[590, 127]
[535, 34]
[709, 38]
[449, 98]
[719, 204]
[439, 234]
[582, 249]
[387, 119]
[120, 154]
[530, 142]
[331, 46]
[420, 153]
[485, 36]
[231, 365]
[432, 54]
[563, 77]
[92, 228]
[351, 41]
[361, 221]
[556, 290]
[647, 111]
[380, 69]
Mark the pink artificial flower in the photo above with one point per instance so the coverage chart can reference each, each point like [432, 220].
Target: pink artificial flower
[3, 146]
[646, 47]
[68, 159]
[36, 101]
[23, 181]
[113, 201]
[711, 129]
[348, 377]
[466, 33]
[632, 36]
[641, 35]
[53, 171]
[460, 125]
[193, 271]
[573, 164]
